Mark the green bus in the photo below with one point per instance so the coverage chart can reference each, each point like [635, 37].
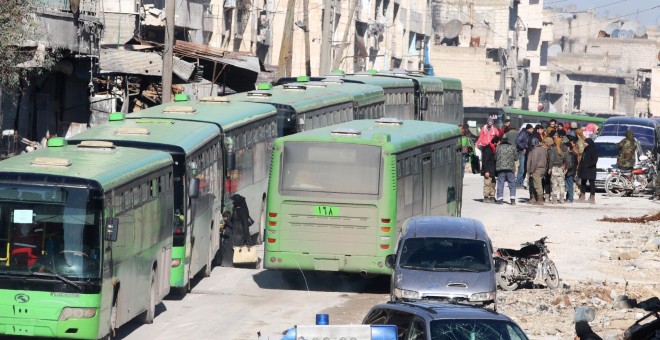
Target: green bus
[85, 239]
[247, 131]
[195, 149]
[476, 117]
[337, 195]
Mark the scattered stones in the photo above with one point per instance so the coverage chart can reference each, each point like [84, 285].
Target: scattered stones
[624, 255]
[624, 302]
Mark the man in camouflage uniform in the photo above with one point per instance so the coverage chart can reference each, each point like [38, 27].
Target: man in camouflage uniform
[506, 155]
[627, 146]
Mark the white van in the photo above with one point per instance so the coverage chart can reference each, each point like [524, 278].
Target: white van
[607, 154]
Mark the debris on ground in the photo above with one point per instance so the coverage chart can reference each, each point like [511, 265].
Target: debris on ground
[642, 219]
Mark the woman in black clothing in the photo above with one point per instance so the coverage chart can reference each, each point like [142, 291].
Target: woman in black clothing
[587, 171]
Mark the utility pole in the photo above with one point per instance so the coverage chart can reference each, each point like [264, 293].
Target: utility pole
[344, 40]
[326, 37]
[308, 62]
[168, 52]
[284, 62]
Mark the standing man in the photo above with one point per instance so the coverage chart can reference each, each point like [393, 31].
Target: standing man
[537, 166]
[522, 143]
[505, 158]
[587, 171]
[488, 169]
[487, 133]
[626, 159]
[466, 145]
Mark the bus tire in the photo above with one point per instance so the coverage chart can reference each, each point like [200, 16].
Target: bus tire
[147, 317]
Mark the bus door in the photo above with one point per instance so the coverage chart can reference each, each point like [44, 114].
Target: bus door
[426, 183]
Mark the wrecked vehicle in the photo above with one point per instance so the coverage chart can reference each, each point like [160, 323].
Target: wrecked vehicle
[529, 263]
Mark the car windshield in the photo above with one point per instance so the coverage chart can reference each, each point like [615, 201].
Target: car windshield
[49, 230]
[607, 150]
[444, 254]
[475, 329]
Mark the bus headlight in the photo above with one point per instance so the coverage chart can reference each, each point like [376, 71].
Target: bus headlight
[486, 296]
[77, 313]
[405, 294]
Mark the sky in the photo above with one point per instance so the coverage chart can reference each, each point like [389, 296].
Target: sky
[616, 8]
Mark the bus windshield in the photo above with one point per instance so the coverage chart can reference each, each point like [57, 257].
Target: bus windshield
[52, 230]
[331, 168]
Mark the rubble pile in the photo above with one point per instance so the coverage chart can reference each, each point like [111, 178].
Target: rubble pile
[633, 253]
[549, 314]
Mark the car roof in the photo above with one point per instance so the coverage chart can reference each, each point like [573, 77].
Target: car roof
[444, 226]
[443, 311]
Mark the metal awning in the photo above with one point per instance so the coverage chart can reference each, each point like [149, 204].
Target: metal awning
[238, 70]
[112, 60]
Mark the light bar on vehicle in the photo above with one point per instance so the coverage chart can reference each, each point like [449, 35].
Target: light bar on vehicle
[215, 99]
[346, 132]
[51, 161]
[389, 121]
[179, 109]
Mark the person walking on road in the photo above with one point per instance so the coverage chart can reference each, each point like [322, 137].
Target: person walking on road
[556, 165]
[587, 171]
[537, 165]
[522, 143]
[505, 158]
[488, 169]
[467, 145]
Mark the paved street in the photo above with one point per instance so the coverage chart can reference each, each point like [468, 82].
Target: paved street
[238, 303]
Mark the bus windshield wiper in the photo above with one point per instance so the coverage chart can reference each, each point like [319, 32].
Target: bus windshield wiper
[58, 276]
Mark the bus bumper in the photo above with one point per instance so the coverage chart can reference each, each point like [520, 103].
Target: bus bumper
[69, 329]
[371, 265]
[177, 277]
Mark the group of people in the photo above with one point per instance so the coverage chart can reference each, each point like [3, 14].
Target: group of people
[550, 156]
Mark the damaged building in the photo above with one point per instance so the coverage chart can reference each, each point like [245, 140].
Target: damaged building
[110, 59]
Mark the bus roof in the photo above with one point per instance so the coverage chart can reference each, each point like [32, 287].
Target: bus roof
[363, 94]
[403, 136]
[375, 79]
[577, 118]
[296, 96]
[451, 83]
[425, 83]
[221, 111]
[161, 134]
[109, 166]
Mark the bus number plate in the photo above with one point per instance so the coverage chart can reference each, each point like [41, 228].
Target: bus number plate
[325, 210]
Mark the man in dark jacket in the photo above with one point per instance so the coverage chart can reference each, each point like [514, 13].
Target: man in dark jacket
[571, 170]
[587, 171]
[522, 143]
[505, 159]
[488, 169]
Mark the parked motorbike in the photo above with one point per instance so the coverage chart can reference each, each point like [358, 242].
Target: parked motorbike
[529, 263]
[618, 183]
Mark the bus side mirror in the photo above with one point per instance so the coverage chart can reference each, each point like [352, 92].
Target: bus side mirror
[390, 261]
[424, 103]
[193, 187]
[111, 229]
[231, 160]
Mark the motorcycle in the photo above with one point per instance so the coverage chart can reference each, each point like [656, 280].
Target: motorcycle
[530, 263]
[619, 183]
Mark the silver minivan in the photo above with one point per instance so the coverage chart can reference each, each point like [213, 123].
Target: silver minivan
[446, 259]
